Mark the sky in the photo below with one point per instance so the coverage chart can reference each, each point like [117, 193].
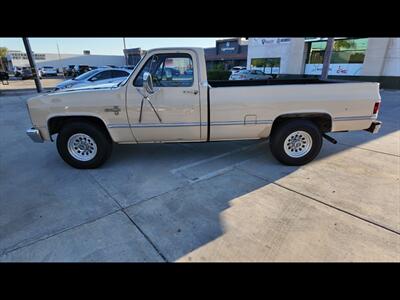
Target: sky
[111, 46]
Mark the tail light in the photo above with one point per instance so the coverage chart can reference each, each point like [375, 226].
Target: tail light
[376, 107]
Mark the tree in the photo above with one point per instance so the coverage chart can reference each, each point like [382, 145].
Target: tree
[3, 51]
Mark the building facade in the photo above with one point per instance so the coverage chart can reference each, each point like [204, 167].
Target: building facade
[226, 54]
[366, 59]
[20, 59]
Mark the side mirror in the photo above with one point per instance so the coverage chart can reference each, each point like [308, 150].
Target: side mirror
[148, 83]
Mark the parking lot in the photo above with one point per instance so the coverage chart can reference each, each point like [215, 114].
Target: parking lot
[223, 201]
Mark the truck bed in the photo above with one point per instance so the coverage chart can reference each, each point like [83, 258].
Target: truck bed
[232, 83]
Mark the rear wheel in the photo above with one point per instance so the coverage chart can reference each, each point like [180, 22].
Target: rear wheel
[296, 142]
[83, 145]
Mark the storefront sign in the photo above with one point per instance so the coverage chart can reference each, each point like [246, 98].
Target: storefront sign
[268, 41]
[335, 69]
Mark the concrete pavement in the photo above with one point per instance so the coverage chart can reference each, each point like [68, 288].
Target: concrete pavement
[225, 201]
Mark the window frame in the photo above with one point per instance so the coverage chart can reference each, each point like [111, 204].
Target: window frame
[165, 56]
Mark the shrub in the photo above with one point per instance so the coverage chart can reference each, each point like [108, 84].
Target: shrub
[218, 75]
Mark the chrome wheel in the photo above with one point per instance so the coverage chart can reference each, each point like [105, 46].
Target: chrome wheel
[82, 147]
[298, 144]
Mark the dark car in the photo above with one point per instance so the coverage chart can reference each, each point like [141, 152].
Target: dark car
[27, 73]
[80, 69]
[4, 77]
[69, 70]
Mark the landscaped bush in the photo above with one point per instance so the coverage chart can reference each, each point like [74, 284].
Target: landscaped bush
[218, 75]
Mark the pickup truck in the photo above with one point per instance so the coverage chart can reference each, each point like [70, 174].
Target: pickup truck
[155, 105]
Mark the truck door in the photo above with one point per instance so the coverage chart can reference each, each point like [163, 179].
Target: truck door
[173, 112]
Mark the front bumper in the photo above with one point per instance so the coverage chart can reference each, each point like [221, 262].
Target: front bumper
[34, 134]
[375, 127]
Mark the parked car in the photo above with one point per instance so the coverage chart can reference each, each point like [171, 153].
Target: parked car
[250, 75]
[80, 69]
[69, 70]
[295, 114]
[48, 71]
[237, 69]
[17, 71]
[95, 77]
[4, 77]
[27, 73]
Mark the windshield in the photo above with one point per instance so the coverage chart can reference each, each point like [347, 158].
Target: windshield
[86, 75]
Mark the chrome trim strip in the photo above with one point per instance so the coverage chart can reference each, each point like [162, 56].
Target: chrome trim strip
[118, 126]
[354, 118]
[187, 124]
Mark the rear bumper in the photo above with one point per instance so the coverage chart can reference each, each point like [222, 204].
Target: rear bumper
[375, 127]
[34, 134]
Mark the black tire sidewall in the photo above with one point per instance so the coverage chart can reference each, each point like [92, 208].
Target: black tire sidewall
[280, 134]
[103, 143]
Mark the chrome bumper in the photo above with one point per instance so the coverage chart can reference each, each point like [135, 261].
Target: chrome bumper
[375, 127]
[34, 134]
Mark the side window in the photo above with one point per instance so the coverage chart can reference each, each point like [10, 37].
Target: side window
[119, 73]
[101, 76]
[169, 70]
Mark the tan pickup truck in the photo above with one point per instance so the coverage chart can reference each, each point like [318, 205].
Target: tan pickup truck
[167, 98]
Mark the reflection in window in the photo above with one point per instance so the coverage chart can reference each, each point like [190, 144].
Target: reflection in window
[168, 70]
[345, 51]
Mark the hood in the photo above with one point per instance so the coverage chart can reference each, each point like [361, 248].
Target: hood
[89, 87]
[67, 82]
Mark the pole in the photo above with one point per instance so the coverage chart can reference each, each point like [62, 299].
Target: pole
[327, 58]
[59, 58]
[32, 64]
[126, 58]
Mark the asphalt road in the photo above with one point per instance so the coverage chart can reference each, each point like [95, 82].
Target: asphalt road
[224, 201]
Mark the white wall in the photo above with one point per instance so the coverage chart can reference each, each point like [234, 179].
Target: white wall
[291, 53]
[53, 60]
[392, 60]
[91, 60]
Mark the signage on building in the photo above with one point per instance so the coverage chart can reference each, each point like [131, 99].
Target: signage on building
[335, 69]
[228, 47]
[268, 41]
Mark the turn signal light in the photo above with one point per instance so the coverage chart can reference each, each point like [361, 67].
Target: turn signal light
[376, 107]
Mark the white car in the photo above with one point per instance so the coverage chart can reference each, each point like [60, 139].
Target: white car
[95, 77]
[48, 71]
[237, 69]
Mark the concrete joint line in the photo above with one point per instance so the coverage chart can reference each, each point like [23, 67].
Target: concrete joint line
[329, 205]
[45, 237]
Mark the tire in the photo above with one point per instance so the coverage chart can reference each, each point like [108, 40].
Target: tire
[305, 144]
[96, 145]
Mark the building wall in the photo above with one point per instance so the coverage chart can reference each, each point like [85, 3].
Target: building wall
[375, 56]
[392, 60]
[290, 51]
[91, 60]
[53, 60]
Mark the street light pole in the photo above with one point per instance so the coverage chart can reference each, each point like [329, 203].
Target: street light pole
[126, 59]
[32, 64]
[327, 58]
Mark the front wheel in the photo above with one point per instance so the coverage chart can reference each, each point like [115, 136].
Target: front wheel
[83, 145]
[296, 142]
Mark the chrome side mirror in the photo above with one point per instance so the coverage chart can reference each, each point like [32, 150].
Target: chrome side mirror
[148, 83]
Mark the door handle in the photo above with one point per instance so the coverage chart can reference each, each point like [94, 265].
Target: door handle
[115, 110]
[191, 92]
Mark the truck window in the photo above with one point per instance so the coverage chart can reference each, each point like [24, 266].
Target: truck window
[168, 70]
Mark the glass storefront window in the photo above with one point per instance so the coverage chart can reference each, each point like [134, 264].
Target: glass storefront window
[345, 51]
[267, 65]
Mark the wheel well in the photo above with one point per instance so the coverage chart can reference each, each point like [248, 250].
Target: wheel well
[323, 121]
[56, 123]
